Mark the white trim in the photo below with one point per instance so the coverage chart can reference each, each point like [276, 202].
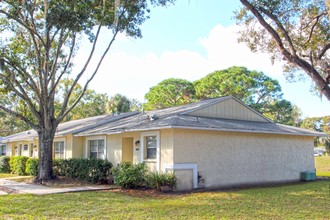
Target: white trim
[150, 133]
[100, 137]
[185, 166]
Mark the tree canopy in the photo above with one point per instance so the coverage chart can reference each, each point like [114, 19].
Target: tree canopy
[254, 88]
[296, 32]
[168, 93]
[259, 91]
[38, 41]
[120, 103]
[321, 124]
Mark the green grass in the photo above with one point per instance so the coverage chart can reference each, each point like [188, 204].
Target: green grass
[322, 165]
[299, 201]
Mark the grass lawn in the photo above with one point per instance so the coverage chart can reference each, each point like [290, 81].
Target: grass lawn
[322, 165]
[306, 200]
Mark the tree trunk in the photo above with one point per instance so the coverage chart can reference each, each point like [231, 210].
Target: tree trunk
[45, 155]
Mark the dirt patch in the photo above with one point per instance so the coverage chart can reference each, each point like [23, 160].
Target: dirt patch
[64, 182]
[7, 190]
[141, 193]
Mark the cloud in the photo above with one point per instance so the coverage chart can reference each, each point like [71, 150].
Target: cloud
[133, 75]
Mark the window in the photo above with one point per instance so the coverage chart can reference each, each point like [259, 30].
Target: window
[96, 149]
[59, 150]
[25, 147]
[150, 146]
[2, 150]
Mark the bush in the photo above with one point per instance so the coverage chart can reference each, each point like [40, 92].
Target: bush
[158, 180]
[91, 170]
[32, 166]
[18, 165]
[128, 175]
[4, 164]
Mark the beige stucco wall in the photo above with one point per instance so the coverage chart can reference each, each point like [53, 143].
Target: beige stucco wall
[78, 146]
[226, 158]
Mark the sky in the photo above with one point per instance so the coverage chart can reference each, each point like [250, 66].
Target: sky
[188, 40]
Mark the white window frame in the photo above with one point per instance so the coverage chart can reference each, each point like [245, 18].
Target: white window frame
[95, 138]
[27, 147]
[64, 147]
[157, 159]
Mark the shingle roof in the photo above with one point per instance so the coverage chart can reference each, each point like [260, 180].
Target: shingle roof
[176, 117]
[70, 127]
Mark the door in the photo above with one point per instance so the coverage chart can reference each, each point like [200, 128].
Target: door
[127, 150]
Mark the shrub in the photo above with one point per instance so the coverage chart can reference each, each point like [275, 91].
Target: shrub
[157, 180]
[91, 170]
[32, 166]
[18, 165]
[128, 175]
[4, 164]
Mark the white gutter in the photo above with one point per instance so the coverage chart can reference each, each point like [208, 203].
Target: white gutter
[209, 129]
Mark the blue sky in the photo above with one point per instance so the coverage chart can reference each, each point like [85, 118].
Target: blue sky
[188, 40]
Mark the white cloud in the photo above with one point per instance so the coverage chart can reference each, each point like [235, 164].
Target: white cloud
[134, 75]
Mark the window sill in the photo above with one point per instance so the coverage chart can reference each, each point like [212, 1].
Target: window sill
[150, 161]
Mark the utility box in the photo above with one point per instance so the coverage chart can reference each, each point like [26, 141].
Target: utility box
[308, 176]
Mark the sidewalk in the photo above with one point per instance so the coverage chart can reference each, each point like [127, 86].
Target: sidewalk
[25, 188]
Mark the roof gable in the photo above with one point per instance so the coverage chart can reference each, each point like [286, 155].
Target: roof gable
[229, 108]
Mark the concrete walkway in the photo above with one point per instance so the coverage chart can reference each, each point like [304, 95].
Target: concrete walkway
[25, 188]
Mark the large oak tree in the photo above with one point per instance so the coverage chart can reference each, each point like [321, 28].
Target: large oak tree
[297, 32]
[38, 40]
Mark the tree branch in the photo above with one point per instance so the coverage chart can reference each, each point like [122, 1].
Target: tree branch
[20, 116]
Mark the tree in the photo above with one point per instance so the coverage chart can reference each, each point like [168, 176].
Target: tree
[118, 104]
[91, 104]
[38, 42]
[168, 93]
[321, 124]
[254, 88]
[290, 30]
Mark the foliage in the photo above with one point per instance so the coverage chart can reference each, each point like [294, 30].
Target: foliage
[294, 31]
[118, 104]
[39, 40]
[168, 93]
[321, 124]
[32, 166]
[18, 165]
[252, 87]
[156, 180]
[91, 104]
[294, 201]
[128, 175]
[4, 164]
[91, 170]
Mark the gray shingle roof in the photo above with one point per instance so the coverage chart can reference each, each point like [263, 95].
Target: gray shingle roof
[70, 127]
[176, 117]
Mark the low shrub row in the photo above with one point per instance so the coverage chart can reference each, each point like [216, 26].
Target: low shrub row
[128, 175]
[19, 165]
[91, 170]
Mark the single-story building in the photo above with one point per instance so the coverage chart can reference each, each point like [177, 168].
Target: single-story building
[213, 143]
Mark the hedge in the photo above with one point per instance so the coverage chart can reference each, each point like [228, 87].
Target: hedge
[4, 164]
[18, 165]
[128, 175]
[91, 170]
[32, 166]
